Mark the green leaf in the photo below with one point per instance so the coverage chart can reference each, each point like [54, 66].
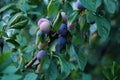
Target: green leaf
[57, 22]
[31, 76]
[89, 4]
[4, 60]
[103, 27]
[30, 48]
[12, 33]
[82, 21]
[25, 7]
[90, 17]
[20, 24]
[2, 24]
[10, 70]
[111, 5]
[86, 77]
[12, 77]
[81, 59]
[77, 39]
[52, 46]
[52, 72]
[18, 21]
[66, 67]
[9, 6]
[98, 3]
[115, 69]
[73, 17]
[15, 43]
[44, 63]
[107, 73]
[53, 8]
[67, 8]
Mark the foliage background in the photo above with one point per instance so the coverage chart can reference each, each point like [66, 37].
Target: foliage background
[85, 58]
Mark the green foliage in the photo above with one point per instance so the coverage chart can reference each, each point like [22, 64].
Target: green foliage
[89, 51]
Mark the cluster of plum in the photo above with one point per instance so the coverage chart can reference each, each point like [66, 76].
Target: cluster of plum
[45, 28]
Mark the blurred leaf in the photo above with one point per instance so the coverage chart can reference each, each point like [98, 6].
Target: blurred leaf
[57, 22]
[9, 6]
[67, 8]
[11, 77]
[103, 27]
[89, 4]
[52, 72]
[10, 70]
[2, 24]
[90, 17]
[73, 17]
[15, 43]
[39, 37]
[52, 45]
[12, 33]
[44, 63]
[81, 60]
[53, 8]
[66, 67]
[86, 77]
[30, 48]
[82, 21]
[31, 76]
[98, 3]
[111, 72]
[24, 6]
[18, 21]
[4, 60]
[22, 40]
[111, 5]
[77, 39]
[20, 24]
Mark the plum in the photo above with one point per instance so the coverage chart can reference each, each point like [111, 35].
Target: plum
[60, 43]
[79, 5]
[63, 29]
[64, 17]
[40, 54]
[44, 25]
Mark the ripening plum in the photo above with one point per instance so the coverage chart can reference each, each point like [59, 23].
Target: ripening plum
[64, 17]
[44, 25]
